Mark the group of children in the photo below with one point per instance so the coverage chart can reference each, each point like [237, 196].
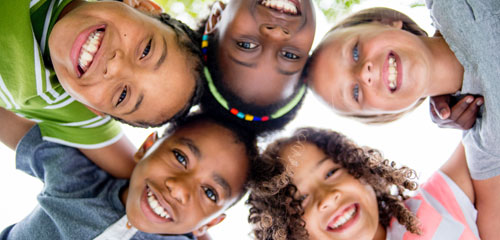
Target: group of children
[74, 67]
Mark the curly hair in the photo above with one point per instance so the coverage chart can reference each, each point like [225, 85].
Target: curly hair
[275, 211]
[365, 16]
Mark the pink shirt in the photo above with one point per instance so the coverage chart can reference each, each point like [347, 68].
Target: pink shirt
[444, 211]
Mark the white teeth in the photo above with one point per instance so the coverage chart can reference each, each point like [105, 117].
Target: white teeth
[393, 73]
[89, 49]
[281, 5]
[157, 208]
[344, 218]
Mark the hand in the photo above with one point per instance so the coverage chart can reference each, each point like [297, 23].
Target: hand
[462, 115]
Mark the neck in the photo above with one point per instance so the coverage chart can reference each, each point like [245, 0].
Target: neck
[380, 234]
[446, 71]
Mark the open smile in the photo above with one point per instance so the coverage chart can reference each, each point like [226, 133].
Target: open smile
[392, 72]
[155, 207]
[290, 7]
[344, 218]
[86, 47]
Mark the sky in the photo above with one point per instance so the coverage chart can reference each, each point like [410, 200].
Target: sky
[413, 141]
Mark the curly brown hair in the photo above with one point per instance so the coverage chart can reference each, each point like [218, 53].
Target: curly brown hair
[275, 210]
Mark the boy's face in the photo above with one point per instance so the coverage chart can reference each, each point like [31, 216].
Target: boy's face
[371, 69]
[336, 205]
[121, 62]
[187, 179]
[264, 48]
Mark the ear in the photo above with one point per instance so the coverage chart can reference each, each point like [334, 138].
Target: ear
[214, 16]
[393, 23]
[203, 229]
[96, 112]
[147, 6]
[150, 140]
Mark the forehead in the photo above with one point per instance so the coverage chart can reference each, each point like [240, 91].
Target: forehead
[217, 149]
[302, 156]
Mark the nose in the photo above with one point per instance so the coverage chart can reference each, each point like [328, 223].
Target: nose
[329, 200]
[178, 190]
[366, 73]
[116, 65]
[274, 31]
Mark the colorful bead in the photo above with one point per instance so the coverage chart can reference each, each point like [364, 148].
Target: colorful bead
[248, 117]
[240, 115]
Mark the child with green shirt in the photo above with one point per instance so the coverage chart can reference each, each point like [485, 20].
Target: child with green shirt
[113, 60]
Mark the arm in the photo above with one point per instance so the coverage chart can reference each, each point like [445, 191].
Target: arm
[456, 169]
[13, 128]
[488, 207]
[484, 193]
[116, 159]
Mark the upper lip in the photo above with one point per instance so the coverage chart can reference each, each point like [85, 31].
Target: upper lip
[338, 212]
[163, 202]
[95, 61]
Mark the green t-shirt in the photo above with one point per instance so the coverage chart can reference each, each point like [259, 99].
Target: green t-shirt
[29, 86]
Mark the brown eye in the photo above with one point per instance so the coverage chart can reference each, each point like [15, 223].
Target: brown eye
[331, 172]
[123, 95]
[289, 55]
[146, 50]
[246, 45]
[180, 158]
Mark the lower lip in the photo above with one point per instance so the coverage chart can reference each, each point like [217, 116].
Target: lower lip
[148, 212]
[349, 223]
[78, 43]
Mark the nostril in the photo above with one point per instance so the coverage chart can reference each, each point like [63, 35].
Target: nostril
[269, 27]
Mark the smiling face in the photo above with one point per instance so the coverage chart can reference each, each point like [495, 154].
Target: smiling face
[336, 205]
[263, 48]
[371, 69]
[121, 62]
[187, 179]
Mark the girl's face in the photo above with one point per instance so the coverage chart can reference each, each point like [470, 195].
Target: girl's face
[336, 205]
[263, 46]
[371, 69]
[121, 62]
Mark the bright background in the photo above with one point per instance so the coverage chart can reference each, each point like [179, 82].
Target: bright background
[413, 141]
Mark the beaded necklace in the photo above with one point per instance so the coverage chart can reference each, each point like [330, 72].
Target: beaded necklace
[245, 116]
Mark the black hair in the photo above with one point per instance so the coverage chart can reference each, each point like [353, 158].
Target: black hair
[190, 42]
[210, 105]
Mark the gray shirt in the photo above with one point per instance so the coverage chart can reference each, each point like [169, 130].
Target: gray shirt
[472, 30]
[78, 201]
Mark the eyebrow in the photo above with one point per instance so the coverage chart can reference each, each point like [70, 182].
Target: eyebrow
[163, 54]
[223, 183]
[137, 105]
[322, 161]
[192, 147]
[253, 65]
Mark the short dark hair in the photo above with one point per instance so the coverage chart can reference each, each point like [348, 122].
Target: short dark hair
[210, 105]
[190, 43]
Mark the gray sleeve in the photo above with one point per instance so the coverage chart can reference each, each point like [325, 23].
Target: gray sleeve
[472, 30]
